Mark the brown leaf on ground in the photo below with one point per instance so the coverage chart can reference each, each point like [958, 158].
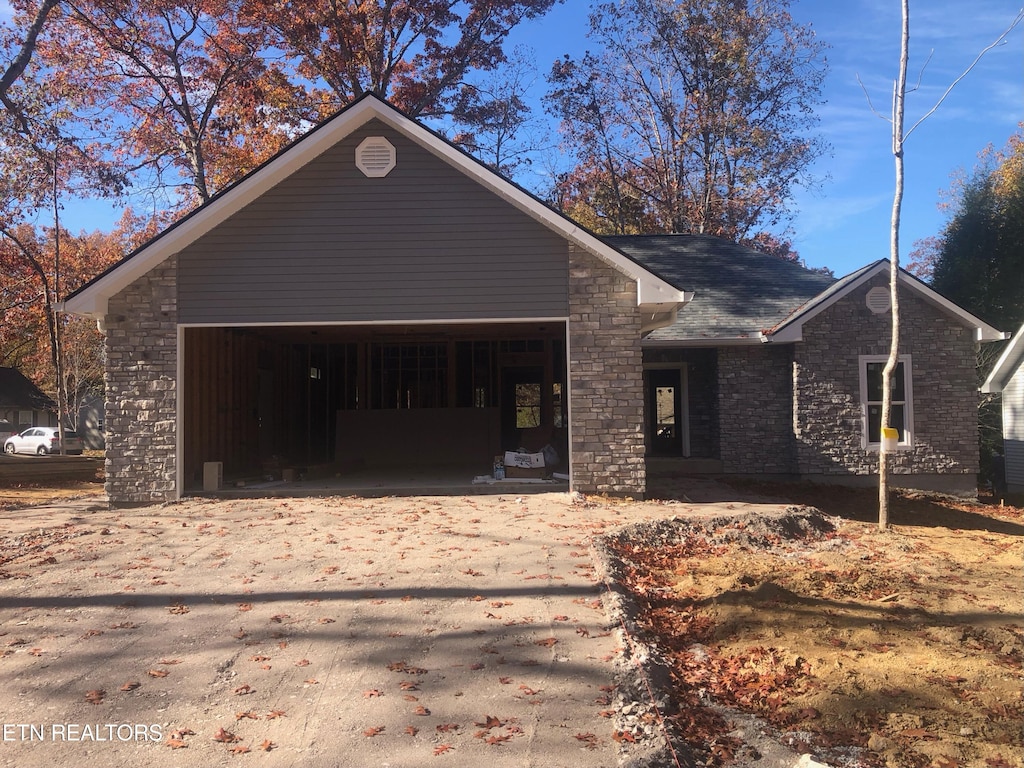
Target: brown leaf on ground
[275, 713]
[225, 737]
[442, 748]
[546, 642]
[621, 736]
[409, 685]
[245, 607]
[421, 711]
[411, 730]
[492, 740]
[157, 672]
[244, 689]
[446, 727]
[95, 696]
[302, 663]
[490, 721]
[176, 744]
[259, 657]
[130, 686]
[181, 733]
[240, 634]
[267, 745]
[375, 730]
[248, 715]
[239, 750]
[372, 693]
[589, 739]
[178, 609]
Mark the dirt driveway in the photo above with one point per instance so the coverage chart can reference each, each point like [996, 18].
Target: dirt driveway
[312, 632]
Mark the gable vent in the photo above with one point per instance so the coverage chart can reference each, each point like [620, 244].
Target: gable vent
[375, 157]
[877, 300]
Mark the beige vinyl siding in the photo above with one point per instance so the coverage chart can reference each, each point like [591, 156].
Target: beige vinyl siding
[330, 245]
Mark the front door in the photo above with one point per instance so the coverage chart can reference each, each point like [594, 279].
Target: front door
[665, 409]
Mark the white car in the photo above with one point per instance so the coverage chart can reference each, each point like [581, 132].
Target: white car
[44, 440]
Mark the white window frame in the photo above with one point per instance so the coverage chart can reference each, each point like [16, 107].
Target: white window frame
[907, 441]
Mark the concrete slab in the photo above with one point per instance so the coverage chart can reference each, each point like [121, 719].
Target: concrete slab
[314, 632]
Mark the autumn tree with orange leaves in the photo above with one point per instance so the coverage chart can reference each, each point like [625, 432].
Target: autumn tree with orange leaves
[693, 116]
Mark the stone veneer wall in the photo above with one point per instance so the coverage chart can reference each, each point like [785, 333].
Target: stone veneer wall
[606, 411]
[827, 412]
[755, 417]
[141, 381]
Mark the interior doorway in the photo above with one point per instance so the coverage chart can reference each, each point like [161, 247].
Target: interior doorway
[666, 409]
[522, 402]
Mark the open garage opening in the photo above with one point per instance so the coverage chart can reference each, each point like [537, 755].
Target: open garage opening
[369, 407]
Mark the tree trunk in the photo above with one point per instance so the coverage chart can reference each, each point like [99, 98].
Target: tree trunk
[899, 96]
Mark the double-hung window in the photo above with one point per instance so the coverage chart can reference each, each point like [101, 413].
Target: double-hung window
[902, 415]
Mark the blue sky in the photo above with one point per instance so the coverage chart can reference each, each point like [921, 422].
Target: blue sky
[844, 223]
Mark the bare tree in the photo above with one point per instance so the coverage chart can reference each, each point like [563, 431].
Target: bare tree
[898, 139]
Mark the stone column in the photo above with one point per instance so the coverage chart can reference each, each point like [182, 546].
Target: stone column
[606, 373]
[141, 386]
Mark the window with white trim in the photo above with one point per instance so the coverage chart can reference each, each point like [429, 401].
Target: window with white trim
[902, 416]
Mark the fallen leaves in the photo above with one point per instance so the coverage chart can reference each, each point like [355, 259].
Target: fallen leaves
[178, 609]
[375, 730]
[244, 690]
[130, 686]
[442, 748]
[95, 696]
[225, 737]
[157, 672]
[372, 693]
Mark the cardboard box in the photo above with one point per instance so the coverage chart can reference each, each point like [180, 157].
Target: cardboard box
[523, 460]
[519, 472]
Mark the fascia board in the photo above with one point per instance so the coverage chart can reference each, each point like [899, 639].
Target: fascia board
[1006, 365]
[724, 341]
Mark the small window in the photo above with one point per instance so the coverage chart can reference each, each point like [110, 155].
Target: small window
[871, 367]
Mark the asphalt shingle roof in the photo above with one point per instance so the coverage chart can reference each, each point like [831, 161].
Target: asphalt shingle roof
[738, 292]
[16, 391]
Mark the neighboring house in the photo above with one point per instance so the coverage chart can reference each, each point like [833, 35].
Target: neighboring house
[23, 404]
[90, 421]
[373, 295]
[1007, 378]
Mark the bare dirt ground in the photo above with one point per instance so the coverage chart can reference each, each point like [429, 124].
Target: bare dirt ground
[399, 631]
[905, 645]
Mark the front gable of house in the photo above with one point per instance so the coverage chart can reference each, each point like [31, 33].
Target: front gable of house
[331, 244]
[936, 403]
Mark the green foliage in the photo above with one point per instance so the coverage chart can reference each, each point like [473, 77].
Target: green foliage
[980, 254]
